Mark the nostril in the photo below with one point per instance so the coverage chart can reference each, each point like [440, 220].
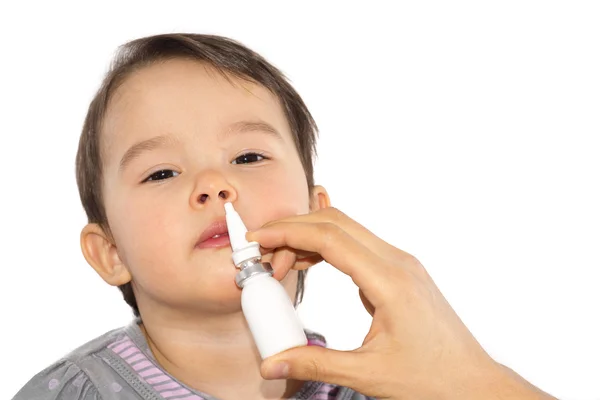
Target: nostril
[223, 194]
[203, 198]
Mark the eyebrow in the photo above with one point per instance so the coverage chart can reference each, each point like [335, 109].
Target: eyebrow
[146, 145]
[165, 140]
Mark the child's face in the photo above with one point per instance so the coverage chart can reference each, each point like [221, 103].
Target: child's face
[204, 123]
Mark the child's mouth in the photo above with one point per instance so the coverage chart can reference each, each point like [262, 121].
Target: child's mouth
[215, 241]
[215, 235]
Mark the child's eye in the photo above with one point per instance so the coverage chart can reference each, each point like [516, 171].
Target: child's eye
[161, 175]
[249, 158]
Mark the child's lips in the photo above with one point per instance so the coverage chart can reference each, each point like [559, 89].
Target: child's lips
[214, 236]
[215, 242]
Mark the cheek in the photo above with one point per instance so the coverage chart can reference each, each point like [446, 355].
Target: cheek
[283, 194]
[144, 228]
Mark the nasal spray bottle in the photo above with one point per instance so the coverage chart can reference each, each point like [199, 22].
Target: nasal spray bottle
[266, 305]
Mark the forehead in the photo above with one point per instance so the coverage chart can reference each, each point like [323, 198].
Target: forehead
[184, 97]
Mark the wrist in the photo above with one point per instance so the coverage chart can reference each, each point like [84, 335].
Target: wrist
[501, 383]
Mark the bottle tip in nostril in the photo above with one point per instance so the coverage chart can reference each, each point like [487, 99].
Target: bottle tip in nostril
[229, 207]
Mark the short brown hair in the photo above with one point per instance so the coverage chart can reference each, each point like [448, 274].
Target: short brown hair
[228, 57]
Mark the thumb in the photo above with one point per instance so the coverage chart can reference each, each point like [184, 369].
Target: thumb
[315, 363]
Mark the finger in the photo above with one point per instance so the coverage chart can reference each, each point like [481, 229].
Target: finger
[264, 251]
[315, 363]
[301, 254]
[339, 249]
[286, 258]
[283, 260]
[366, 303]
[307, 262]
[356, 230]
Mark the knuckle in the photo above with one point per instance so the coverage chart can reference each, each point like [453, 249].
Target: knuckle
[414, 265]
[408, 261]
[315, 370]
[335, 214]
[413, 261]
[329, 233]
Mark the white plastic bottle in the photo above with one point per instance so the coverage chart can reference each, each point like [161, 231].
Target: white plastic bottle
[267, 307]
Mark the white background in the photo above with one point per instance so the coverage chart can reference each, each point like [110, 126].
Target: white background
[464, 133]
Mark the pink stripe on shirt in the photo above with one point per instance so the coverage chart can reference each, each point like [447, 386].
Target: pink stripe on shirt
[174, 393]
[169, 385]
[119, 348]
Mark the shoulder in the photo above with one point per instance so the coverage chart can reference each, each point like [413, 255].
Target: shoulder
[78, 375]
[62, 380]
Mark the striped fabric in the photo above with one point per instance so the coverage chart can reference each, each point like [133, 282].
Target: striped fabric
[169, 389]
[149, 372]
[120, 365]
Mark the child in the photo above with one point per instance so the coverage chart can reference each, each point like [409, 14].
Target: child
[181, 124]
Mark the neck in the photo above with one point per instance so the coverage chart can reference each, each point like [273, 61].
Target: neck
[214, 354]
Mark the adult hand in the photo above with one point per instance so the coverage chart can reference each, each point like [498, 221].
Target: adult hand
[417, 346]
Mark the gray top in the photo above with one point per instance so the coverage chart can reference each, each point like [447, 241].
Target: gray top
[120, 365]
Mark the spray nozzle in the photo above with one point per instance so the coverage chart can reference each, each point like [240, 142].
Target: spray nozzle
[242, 249]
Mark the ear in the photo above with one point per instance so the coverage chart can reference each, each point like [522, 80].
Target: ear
[101, 253]
[319, 198]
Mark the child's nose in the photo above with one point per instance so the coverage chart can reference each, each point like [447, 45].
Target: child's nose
[223, 194]
[211, 188]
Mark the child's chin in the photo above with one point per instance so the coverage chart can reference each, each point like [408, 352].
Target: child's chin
[224, 294]
[223, 305]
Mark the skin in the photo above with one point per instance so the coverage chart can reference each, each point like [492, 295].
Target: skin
[417, 347]
[187, 296]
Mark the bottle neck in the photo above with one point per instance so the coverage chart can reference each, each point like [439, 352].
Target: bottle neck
[250, 251]
[251, 268]
[254, 278]
[248, 263]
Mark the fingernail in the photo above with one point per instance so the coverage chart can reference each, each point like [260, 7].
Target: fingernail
[278, 371]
